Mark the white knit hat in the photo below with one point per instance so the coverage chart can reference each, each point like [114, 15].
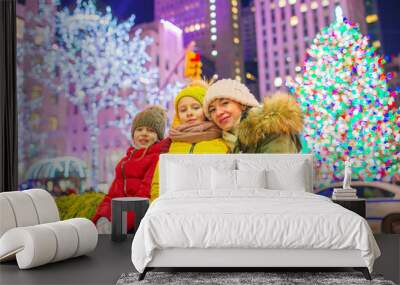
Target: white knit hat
[229, 89]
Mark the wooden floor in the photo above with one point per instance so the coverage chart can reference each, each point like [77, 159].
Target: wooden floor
[110, 259]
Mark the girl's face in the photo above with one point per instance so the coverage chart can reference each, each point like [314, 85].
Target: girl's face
[225, 113]
[144, 137]
[190, 111]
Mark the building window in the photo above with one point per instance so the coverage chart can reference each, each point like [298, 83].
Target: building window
[315, 16]
[296, 55]
[53, 123]
[314, 5]
[278, 82]
[326, 19]
[292, 10]
[262, 13]
[54, 99]
[305, 30]
[293, 21]
[36, 92]
[20, 28]
[283, 13]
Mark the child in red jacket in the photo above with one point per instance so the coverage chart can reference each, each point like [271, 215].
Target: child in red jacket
[134, 172]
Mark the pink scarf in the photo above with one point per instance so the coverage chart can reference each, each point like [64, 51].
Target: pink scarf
[194, 133]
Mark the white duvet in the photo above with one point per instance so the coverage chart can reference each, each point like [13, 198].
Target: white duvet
[253, 218]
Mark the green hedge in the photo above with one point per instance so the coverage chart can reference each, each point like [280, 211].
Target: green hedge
[79, 206]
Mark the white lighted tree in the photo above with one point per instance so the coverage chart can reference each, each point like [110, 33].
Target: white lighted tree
[96, 62]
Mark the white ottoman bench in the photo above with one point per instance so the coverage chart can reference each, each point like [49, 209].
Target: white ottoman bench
[31, 231]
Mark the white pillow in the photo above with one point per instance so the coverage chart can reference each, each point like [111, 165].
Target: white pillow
[188, 177]
[251, 178]
[288, 175]
[228, 179]
[223, 179]
[291, 179]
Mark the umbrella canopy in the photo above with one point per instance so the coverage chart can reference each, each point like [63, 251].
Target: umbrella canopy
[60, 167]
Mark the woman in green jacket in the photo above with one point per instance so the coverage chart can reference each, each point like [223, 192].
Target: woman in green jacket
[249, 127]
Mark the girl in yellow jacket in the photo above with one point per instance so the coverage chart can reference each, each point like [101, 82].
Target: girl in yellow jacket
[191, 132]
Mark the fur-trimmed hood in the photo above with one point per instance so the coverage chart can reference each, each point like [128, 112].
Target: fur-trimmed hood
[280, 114]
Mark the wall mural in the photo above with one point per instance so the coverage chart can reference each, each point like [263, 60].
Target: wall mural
[83, 75]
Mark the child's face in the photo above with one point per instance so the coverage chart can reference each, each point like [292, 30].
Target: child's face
[190, 111]
[144, 137]
[225, 113]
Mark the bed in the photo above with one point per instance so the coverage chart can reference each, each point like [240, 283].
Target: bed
[247, 210]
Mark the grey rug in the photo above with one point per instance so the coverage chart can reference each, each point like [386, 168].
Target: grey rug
[228, 278]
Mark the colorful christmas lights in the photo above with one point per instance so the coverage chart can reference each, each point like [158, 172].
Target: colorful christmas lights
[349, 112]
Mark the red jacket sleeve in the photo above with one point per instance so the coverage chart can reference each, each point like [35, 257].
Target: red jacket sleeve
[145, 185]
[104, 209]
[164, 145]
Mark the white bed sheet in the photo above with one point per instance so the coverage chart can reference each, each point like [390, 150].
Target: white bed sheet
[251, 218]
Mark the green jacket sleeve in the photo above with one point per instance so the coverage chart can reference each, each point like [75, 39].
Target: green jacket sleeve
[277, 144]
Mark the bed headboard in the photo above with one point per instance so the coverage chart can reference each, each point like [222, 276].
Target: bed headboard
[269, 160]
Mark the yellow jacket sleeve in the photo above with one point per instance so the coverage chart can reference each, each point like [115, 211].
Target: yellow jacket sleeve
[155, 185]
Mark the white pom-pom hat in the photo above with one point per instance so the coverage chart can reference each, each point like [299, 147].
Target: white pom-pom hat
[229, 89]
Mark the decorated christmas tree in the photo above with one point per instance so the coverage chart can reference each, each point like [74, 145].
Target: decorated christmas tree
[349, 111]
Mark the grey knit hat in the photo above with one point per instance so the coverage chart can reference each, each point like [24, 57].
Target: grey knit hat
[154, 117]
